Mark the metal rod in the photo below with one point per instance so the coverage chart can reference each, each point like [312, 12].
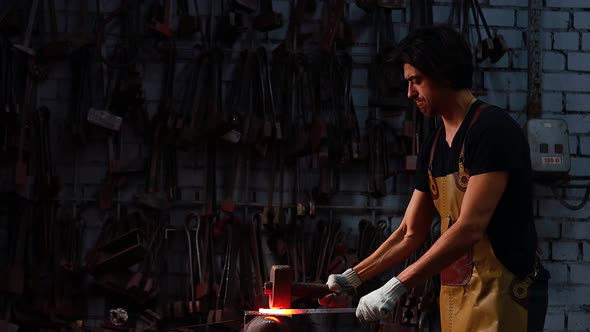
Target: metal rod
[289, 312]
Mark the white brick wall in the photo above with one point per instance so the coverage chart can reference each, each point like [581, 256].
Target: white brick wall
[566, 40]
[578, 61]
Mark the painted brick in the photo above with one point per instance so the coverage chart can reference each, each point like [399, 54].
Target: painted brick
[582, 20]
[578, 321]
[556, 20]
[586, 41]
[578, 123]
[573, 144]
[504, 62]
[400, 31]
[545, 250]
[576, 230]
[580, 166]
[353, 182]
[586, 251]
[359, 77]
[499, 17]
[555, 319]
[564, 251]
[578, 61]
[355, 13]
[547, 228]
[569, 295]
[579, 273]
[514, 38]
[522, 18]
[397, 15]
[93, 153]
[547, 40]
[552, 101]
[566, 82]
[191, 177]
[553, 61]
[60, 70]
[519, 59]
[364, 36]
[577, 102]
[558, 271]
[515, 3]
[281, 32]
[152, 90]
[440, 14]
[505, 81]
[568, 3]
[90, 174]
[64, 90]
[496, 98]
[566, 40]
[585, 145]
[47, 89]
[153, 71]
[517, 101]
[360, 97]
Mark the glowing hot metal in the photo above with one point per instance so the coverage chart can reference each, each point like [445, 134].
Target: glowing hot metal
[289, 312]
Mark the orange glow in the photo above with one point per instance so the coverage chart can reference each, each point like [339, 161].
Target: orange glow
[276, 311]
[274, 319]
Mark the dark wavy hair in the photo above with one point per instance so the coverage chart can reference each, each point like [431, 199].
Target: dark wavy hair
[439, 52]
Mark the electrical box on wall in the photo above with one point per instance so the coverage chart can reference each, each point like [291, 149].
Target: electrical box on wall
[549, 143]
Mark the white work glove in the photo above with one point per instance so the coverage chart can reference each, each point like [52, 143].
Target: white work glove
[343, 287]
[380, 302]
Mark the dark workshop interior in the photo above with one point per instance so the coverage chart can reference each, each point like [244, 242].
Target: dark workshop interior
[270, 165]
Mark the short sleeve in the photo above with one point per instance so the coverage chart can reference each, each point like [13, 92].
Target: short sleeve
[495, 143]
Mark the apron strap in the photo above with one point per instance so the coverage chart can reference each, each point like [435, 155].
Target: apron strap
[462, 154]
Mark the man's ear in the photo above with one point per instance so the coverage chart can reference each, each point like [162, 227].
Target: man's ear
[446, 84]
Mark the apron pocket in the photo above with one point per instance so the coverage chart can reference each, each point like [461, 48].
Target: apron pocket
[459, 272]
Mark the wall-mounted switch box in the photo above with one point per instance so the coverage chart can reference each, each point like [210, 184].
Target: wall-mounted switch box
[549, 143]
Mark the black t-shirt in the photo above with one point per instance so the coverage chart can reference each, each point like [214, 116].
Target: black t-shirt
[495, 142]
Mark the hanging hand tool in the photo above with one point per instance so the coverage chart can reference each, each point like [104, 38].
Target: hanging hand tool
[187, 24]
[231, 24]
[159, 21]
[331, 23]
[496, 46]
[26, 45]
[55, 48]
[268, 19]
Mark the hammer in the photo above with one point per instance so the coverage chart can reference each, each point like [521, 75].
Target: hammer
[281, 288]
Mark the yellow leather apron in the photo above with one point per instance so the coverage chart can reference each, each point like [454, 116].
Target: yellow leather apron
[478, 293]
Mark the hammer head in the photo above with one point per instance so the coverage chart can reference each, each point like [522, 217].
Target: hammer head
[279, 287]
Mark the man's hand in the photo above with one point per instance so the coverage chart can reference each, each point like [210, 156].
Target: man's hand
[343, 287]
[380, 302]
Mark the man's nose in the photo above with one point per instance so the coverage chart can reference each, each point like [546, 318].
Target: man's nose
[411, 91]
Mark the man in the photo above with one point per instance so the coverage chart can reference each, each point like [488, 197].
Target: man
[475, 172]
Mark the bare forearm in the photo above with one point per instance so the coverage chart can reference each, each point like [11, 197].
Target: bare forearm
[404, 241]
[394, 250]
[449, 247]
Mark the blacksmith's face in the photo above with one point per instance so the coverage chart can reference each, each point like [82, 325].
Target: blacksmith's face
[424, 91]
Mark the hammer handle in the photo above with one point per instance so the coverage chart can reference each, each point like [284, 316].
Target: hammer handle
[306, 289]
